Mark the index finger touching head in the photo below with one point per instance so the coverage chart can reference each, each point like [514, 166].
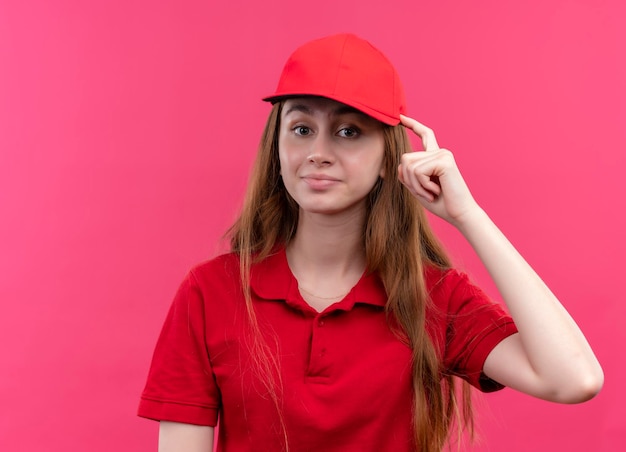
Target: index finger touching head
[429, 141]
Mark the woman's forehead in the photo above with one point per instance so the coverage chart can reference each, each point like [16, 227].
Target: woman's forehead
[312, 106]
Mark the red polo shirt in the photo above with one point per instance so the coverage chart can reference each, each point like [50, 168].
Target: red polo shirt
[346, 377]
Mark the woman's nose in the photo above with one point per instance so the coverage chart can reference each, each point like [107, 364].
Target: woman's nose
[321, 152]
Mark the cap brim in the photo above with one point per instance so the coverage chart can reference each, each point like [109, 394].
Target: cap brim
[382, 117]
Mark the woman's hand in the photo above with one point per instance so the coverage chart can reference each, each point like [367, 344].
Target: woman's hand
[433, 177]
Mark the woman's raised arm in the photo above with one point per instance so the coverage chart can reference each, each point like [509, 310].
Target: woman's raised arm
[549, 357]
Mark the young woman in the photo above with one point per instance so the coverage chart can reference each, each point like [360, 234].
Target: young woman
[337, 322]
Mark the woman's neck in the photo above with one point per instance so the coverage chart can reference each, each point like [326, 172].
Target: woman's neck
[331, 243]
[327, 257]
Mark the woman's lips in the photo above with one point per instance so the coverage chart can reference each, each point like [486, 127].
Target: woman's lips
[320, 181]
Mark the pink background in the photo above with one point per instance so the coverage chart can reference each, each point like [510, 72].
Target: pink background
[127, 129]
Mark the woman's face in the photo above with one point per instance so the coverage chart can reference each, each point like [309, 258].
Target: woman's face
[331, 155]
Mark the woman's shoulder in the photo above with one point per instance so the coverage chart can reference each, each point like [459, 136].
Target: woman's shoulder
[219, 269]
[450, 286]
[226, 268]
[437, 277]
[220, 277]
[226, 260]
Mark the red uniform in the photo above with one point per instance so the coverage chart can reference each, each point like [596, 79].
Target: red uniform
[346, 377]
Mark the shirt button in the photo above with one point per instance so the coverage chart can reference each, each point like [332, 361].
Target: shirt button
[321, 323]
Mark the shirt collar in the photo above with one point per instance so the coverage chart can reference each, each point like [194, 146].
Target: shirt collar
[272, 279]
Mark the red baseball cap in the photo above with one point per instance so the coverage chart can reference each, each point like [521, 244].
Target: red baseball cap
[347, 69]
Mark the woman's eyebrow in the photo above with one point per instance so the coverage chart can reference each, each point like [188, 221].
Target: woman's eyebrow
[299, 107]
[346, 110]
[339, 111]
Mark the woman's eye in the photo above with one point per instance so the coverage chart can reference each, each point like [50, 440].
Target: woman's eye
[301, 130]
[348, 132]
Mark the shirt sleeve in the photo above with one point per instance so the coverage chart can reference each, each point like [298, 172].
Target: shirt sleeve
[181, 386]
[475, 325]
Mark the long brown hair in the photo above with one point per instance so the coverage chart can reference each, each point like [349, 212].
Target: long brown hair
[398, 244]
